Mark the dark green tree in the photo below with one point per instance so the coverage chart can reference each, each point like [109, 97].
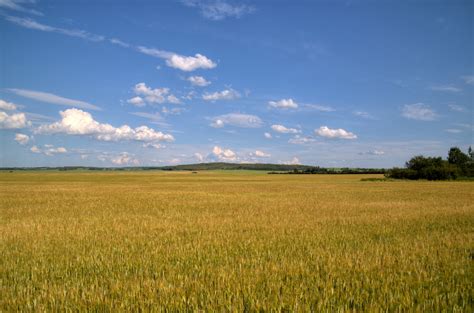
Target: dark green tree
[457, 157]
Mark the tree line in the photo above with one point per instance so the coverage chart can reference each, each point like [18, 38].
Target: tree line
[457, 165]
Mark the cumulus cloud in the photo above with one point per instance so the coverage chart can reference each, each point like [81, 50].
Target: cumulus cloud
[13, 121]
[8, 106]
[78, 122]
[283, 104]
[419, 111]
[53, 99]
[227, 94]
[198, 81]
[260, 154]
[145, 94]
[224, 154]
[32, 24]
[237, 120]
[22, 139]
[48, 150]
[284, 130]
[217, 10]
[181, 62]
[294, 161]
[446, 88]
[190, 63]
[124, 158]
[340, 133]
[267, 135]
[136, 101]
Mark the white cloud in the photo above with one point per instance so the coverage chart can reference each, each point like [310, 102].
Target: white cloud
[363, 114]
[457, 108]
[15, 5]
[267, 135]
[124, 158]
[327, 132]
[198, 81]
[78, 122]
[373, 152]
[284, 130]
[294, 161]
[172, 111]
[300, 140]
[227, 94]
[453, 131]
[48, 150]
[154, 117]
[22, 139]
[153, 145]
[318, 107]
[237, 120]
[150, 95]
[283, 104]
[54, 99]
[136, 101]
[32, 24]
[419, 111]
[184, 63]
[446, 88]
[13, 121]
[469, 79]
[119, 42]
[35, 149]
[260, 154]
[8, 106]
[217, 10]
[224, 154]
[199, 156]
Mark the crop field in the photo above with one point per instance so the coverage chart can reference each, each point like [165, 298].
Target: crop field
[233, 241]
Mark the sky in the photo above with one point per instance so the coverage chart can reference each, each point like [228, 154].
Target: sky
[153, 83]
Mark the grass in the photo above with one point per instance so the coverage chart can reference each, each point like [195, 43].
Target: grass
[227, 241]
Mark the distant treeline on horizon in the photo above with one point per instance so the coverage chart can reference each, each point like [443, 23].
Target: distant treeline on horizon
[273, 168]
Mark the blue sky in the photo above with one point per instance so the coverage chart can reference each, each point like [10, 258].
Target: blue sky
[328, 83]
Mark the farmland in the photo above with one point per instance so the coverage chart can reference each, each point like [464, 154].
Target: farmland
[233, 241]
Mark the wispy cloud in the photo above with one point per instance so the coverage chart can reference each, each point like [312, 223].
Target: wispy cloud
[15, 5]
[363, 114]
[32, 24]
[468, 79]
[174, 60]
[53, 99]
[419, 111]
[217, 10]
[446, 88]
[457, 108]
[284, 104]
[237, 120]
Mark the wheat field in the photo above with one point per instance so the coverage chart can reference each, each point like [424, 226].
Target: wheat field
[233, 241]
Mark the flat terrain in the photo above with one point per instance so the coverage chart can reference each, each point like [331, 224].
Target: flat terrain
[233, 241]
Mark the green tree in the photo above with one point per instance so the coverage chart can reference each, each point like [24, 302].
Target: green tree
[457, 157]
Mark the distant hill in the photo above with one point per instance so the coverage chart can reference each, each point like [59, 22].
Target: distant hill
[274, 168]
